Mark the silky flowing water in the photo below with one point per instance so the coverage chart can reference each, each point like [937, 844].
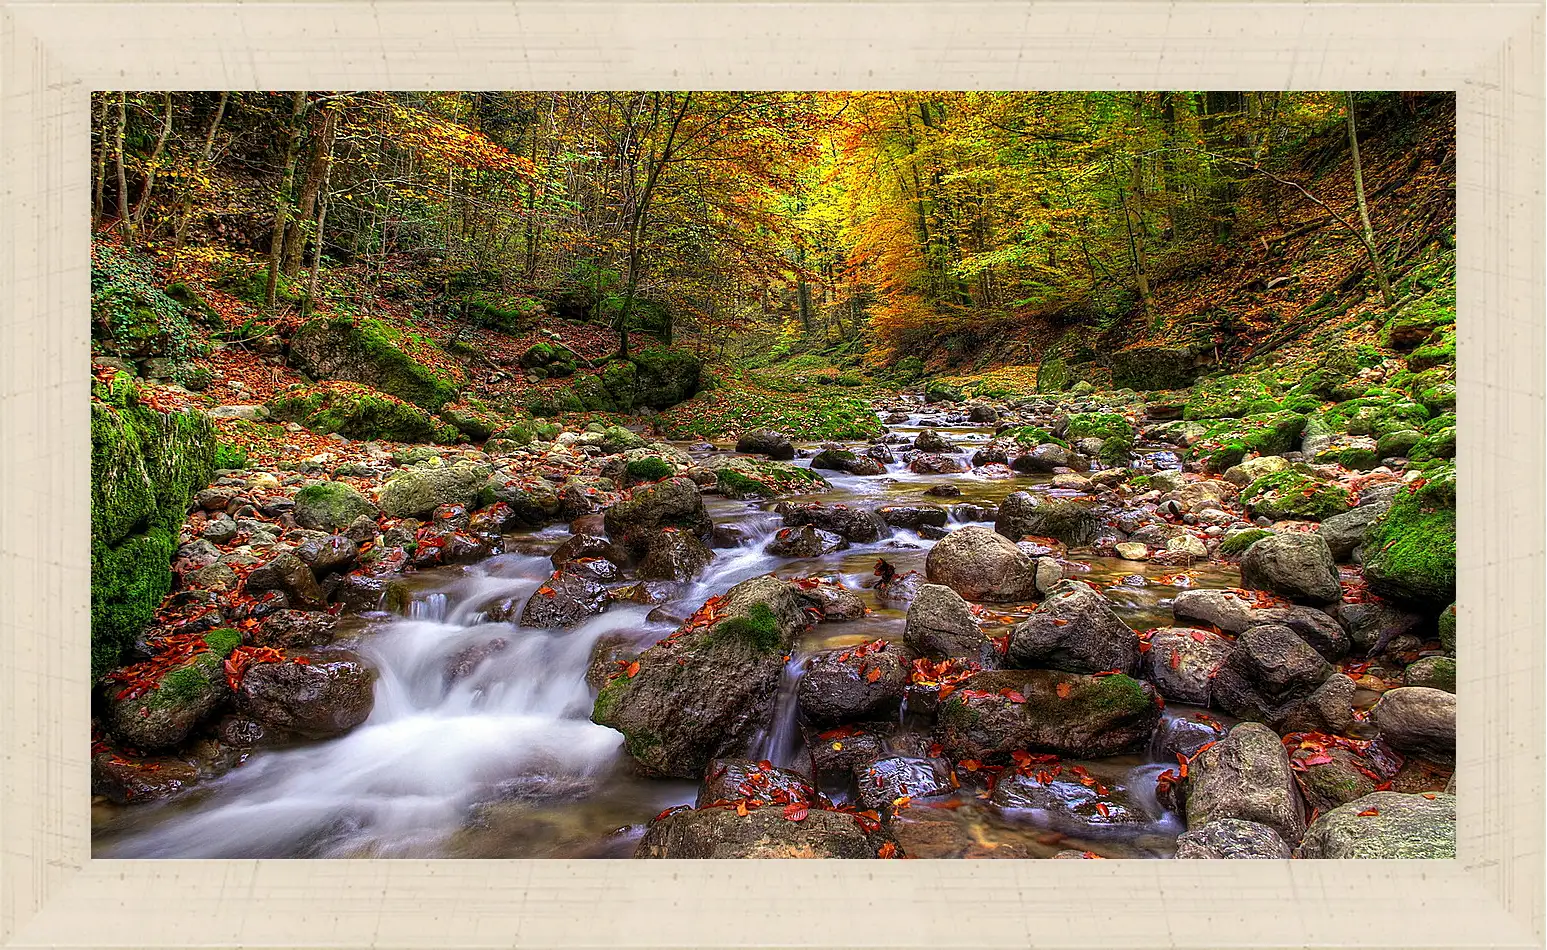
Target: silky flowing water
[505, 762]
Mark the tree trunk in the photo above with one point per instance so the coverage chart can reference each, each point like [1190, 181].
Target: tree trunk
[100, 185]
[322, 219]
[1364, 211]
[124, 225]
[152, 166]
[640, 222]
[306, 210]
[282, 201]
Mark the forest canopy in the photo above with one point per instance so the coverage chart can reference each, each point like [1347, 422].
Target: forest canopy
[893, 216]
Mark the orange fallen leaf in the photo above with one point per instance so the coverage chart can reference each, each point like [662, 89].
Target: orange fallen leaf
[1064, 689]
[633, 668]
[1369, 813]
[887, 850]
[873, 675]
[796, 811]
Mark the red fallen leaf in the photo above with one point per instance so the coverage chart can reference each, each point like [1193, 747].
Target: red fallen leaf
[887, 850]
[1060, 623]
[632, 669]
[1099, 675]
[1199, 635]
[765, 765]
[1091, 855]
[873, 675]
[301, 660]
[1369, 813]
[1318, 758]
[1064, 689]
[1012, 695]
[1176, 660]
[796, 811]
[1102, 808]
[1429, 796]
[1144, 646]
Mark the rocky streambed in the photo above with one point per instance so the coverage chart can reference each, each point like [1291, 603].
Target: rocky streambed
[1049, 629]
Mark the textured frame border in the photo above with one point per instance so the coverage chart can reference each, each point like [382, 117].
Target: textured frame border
[52, 893]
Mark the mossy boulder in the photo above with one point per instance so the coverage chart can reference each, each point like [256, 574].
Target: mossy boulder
[1294, 494]
[331, 506]
[938, 390]
[1052, 375]
[1230, 397]
[707, 690]
[1227, 443]
[1028, 437]
[1447, 629]
[664, 376]
[375, 353]
[1151, 368]
[1385, 825]
[621, 379]
[358, 412]
[1354, 452]
[1377, 413]
[146, 467]
[743, 478]
[1099, 425]
[592, 394]
[162, 716]
[1063, 713]
[1398, 444]
[416, 491]
[1237, 543]
[1410, 551]
[1440, 350]
[472, 419]
[1419, 320]
[1439, 445]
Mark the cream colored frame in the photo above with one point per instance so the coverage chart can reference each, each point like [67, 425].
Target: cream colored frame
[53, 894]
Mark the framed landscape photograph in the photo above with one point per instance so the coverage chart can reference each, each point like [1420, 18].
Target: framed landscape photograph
[566, 436]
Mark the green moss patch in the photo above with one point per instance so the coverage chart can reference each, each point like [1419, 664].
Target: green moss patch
[1410, 551]
[146, 467]
[1238, 543]
[1230, 397]
[358, 412]
[1294, 494]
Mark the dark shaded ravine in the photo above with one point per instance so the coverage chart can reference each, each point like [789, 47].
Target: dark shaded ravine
[504, 761]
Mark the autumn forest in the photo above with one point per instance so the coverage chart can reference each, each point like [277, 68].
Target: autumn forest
[773, 474]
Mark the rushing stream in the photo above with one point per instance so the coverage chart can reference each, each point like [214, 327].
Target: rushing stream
[503, 761]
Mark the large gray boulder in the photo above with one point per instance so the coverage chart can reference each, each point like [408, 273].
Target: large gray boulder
[983, 566]
[1075, 630]
[1231, 838]
[416, 491]
[996, 713]
[1233, 612]
[1292, 564]
[843, 685]
[940, 624]
[859, 525]
[671, 503]
[316, 696]
[708, 689]
[764, 832]
[767, 442]
[1419, 720]
[1385, 825]
[1182, 662]
[1246, 776]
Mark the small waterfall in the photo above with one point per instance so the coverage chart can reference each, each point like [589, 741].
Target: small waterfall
[780, 743]
[461, 708]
